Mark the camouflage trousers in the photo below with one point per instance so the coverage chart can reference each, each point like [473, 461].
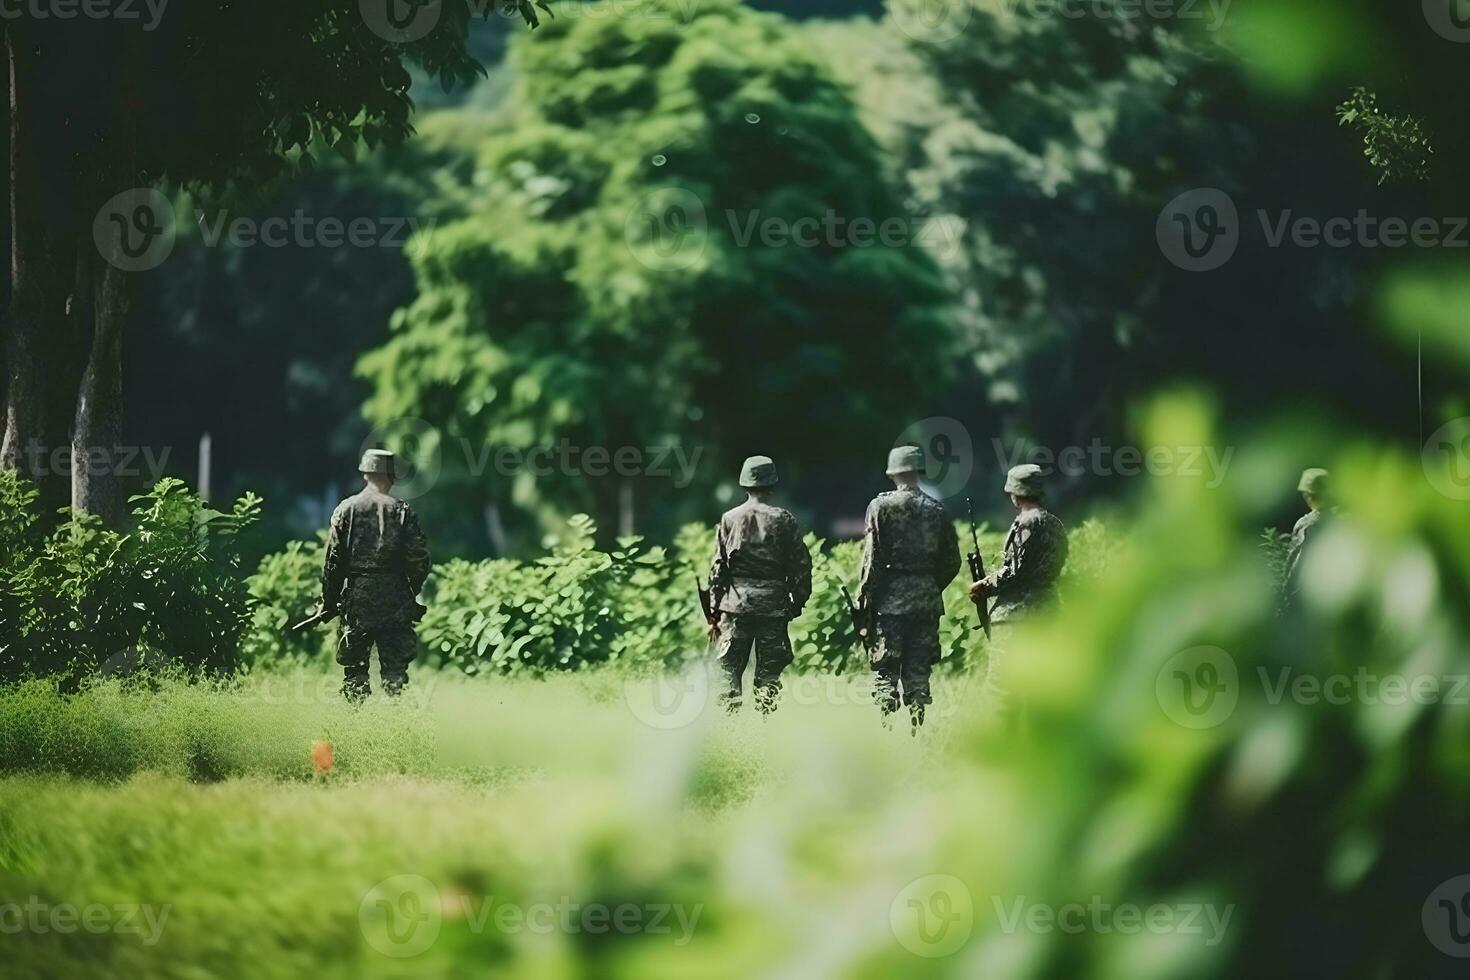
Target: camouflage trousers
[396, 645]
[766, 635]
[906, 652]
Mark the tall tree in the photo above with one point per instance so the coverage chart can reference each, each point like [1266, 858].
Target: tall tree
[214, 96]
[679, 240]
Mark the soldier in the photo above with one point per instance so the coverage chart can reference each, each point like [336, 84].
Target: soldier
[1035, 551]
[1314, 488]
[376, 562]
[762, 578]
[910, 553]
[1032, 558]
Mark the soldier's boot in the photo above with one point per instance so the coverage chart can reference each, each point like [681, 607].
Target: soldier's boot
[731, 701]
[356, 687]
[916, 718]
[393, 684]
[767, 698]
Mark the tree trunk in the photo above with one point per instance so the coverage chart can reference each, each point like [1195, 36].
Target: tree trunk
[104, 297]
[41, 361]
[96, 486]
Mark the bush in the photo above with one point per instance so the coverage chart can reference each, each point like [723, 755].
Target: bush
[84, 597]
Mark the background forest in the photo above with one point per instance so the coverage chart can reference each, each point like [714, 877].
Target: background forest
[1021, 164]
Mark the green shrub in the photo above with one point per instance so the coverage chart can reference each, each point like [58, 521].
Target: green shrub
[287, 589]
[85, 597]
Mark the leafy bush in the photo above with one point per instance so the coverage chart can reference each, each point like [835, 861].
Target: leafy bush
[85, 597]
[287, 589]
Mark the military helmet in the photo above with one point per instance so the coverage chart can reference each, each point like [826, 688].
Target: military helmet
[905, 459]
[1025, 481]
[1313, 481]
[759, 471]
[377, 461]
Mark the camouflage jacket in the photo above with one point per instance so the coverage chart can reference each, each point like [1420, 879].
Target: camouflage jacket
[760, 562]
[910, 553]
[1291, 580]
[1034, 554]
[377, 559]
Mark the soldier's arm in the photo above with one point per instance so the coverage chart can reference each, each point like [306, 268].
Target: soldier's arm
[1014, 566]
[717, 563]
[415, 551]
[870, 550]
[947, 561]
[799, 566]
[334, 565]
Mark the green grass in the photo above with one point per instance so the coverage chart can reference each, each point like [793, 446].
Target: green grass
[202, 804]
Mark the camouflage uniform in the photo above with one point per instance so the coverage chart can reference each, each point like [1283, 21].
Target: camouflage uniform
[1032, 558]
[1031, 562]
[1313, 486]
[765, 571]
[377, 560]
[910, 553]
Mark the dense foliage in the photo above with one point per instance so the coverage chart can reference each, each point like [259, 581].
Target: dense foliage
[79, 597]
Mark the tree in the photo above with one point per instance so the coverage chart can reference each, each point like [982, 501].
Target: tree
[216, 97]
[676, 244]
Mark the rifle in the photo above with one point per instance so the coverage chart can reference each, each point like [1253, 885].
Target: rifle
[323, 616]
[717, 587]
[860, 620]
[977, 569]
[706, 605]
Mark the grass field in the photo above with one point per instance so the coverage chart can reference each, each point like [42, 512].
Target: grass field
[586, 825]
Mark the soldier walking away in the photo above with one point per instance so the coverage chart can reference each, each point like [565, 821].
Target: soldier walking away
[1035, 551]
[1032, 559]
[1315, 488]
[377, 560]
[910, 553]
[761, 578]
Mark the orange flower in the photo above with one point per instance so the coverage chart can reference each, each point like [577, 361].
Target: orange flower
[321, 755]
